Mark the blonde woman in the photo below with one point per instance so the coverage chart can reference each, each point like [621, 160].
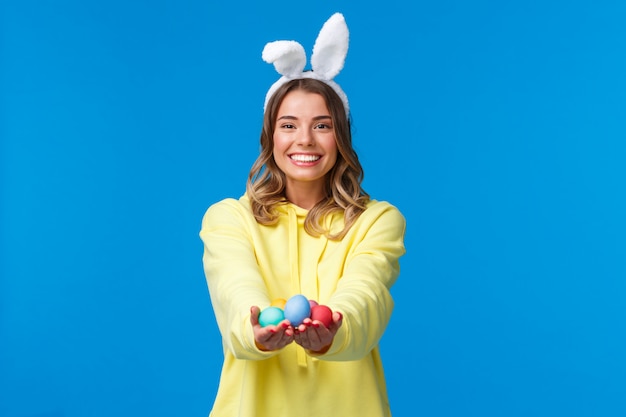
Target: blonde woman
[304, 226]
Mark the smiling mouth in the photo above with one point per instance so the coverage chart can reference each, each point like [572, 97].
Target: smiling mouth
[304, 158]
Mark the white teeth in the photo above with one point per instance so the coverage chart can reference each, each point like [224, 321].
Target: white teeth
[305, 158]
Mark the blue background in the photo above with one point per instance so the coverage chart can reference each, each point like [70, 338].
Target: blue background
[498, 128]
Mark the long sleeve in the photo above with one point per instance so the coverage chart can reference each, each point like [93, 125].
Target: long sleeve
[362, 294]
[247, 264]
[233, 276]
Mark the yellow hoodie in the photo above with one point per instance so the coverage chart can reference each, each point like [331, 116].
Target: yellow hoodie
[248, 264]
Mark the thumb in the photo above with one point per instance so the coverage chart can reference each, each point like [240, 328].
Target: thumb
[254, 315]
[337, 316]
[337, 320]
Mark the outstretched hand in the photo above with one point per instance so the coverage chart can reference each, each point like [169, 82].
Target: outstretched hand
[311, 334]
[270, 337]
[314, 336]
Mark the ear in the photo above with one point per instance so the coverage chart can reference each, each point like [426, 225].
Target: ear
[288, 57]
[331, 47]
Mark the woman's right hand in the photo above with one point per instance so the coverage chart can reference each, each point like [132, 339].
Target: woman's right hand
[270, 338]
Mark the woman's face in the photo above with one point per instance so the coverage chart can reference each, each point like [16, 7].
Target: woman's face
[304, 140]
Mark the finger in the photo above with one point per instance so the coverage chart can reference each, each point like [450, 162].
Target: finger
[280, 335]
[254, 315]
[337, 317]
[305, 325]
[337, 321]
[311, 338]
[286, 338]
[299, 338]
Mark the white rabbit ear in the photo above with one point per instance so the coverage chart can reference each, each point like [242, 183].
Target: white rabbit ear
[288, 57]
[331, 47]
[329, 55]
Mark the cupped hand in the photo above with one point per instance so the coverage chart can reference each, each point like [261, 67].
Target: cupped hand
[314, 336]
[270, 337]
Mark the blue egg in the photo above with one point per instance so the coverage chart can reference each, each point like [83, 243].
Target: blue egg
[271, 316]
[297, 308]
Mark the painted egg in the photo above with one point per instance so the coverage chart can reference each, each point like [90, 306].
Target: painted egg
[322, 313]
[279, 302]
[297, 308]
[313, 303]
[271, 316]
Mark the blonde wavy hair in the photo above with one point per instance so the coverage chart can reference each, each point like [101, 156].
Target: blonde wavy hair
[266, 182]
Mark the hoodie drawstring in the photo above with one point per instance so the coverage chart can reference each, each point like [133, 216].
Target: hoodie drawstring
[295, 272]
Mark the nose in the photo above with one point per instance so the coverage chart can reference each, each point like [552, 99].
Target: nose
[305, 138]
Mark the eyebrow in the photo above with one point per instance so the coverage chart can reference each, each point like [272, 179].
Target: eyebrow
[288, 117]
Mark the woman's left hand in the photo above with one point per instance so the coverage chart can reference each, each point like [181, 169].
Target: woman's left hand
[314, 336]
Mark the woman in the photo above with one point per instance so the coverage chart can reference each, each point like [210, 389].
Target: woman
[304, 226]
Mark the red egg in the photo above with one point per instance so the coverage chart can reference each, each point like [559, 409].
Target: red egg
[323, 314]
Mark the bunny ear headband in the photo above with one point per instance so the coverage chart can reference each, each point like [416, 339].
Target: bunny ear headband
[329, 55]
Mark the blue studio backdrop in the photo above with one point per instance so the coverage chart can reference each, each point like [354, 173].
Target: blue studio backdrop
[498, 129]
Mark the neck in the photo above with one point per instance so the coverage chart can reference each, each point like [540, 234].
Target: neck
[305, 197]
